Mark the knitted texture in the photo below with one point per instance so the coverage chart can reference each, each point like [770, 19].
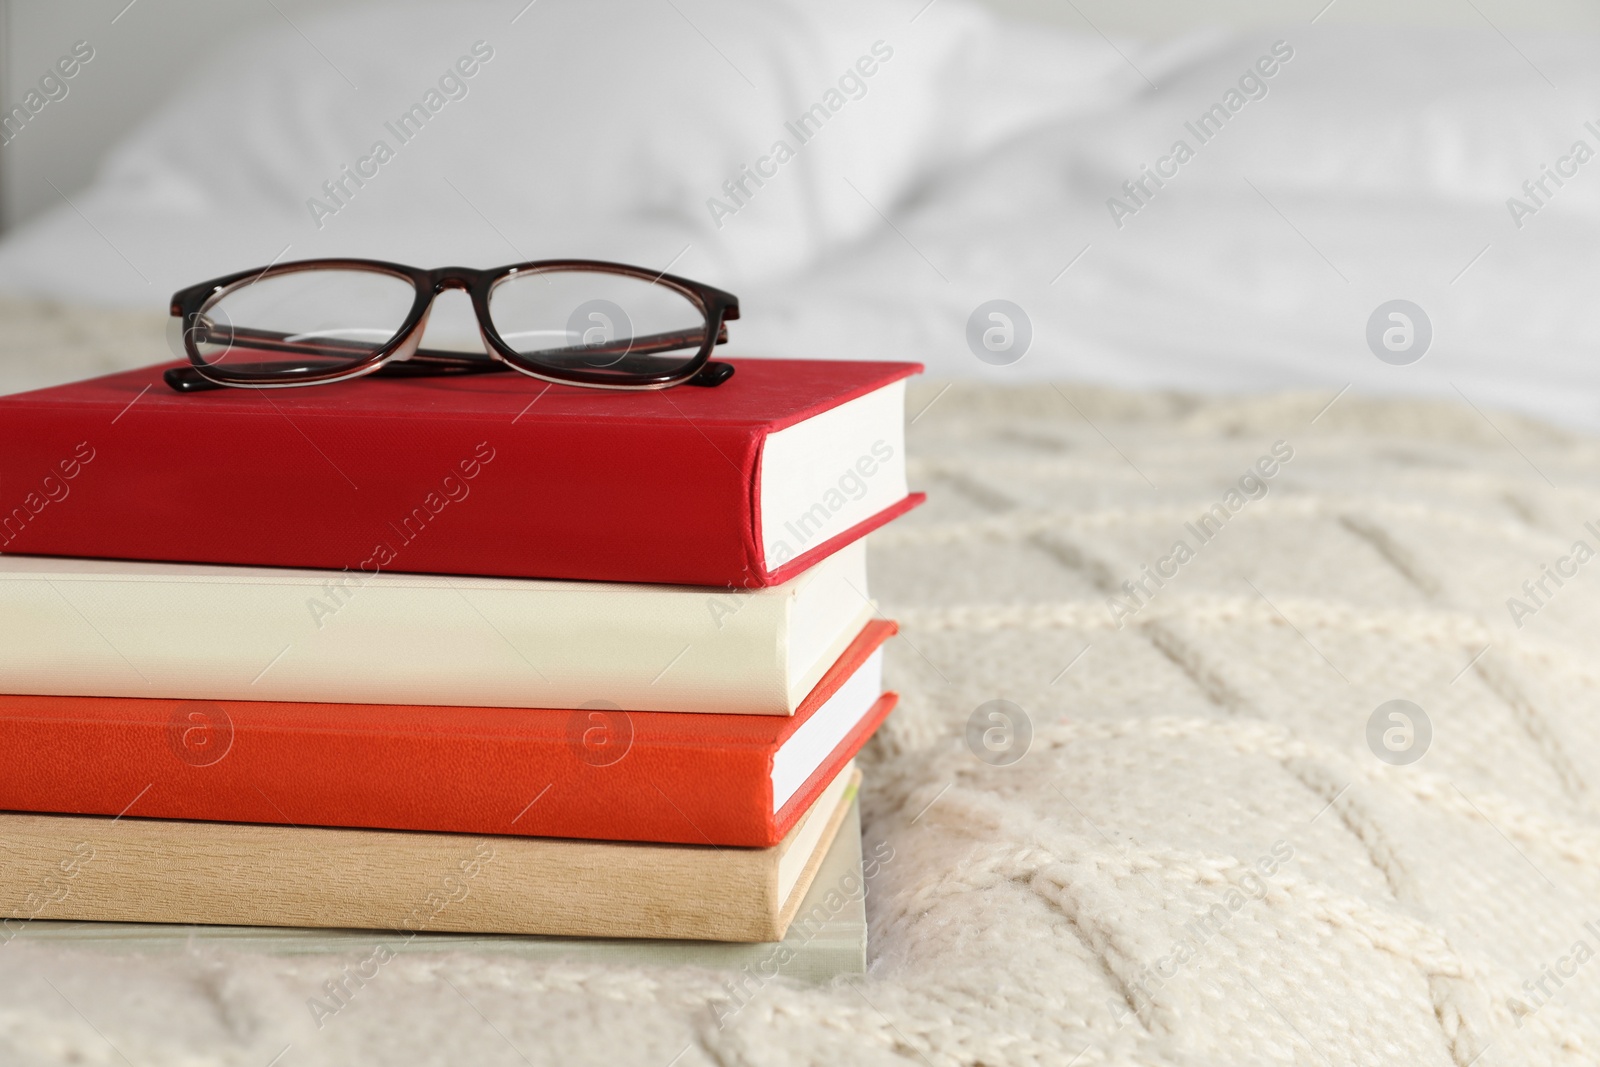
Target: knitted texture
[1200, 857]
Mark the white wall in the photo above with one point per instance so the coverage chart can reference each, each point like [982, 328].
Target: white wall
[143, 51]
[1162, 18]
[139, 58]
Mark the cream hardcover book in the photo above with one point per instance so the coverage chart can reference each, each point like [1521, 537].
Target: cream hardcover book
[82, 627]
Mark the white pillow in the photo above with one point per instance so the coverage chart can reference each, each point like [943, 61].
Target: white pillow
[1371, 112]
[1383, 174]
[609, 129]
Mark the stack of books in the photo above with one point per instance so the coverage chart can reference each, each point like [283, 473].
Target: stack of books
[453, 654]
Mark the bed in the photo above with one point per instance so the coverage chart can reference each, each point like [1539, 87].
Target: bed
[1215, 848]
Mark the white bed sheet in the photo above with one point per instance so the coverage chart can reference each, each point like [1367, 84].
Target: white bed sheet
[1378, 165]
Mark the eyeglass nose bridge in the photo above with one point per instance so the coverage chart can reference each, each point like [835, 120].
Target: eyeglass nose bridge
[454, 278]
[468, 280]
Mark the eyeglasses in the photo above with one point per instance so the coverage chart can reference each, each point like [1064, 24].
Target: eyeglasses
[568, 321]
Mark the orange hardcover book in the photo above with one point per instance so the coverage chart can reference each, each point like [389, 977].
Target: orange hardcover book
[592, 772]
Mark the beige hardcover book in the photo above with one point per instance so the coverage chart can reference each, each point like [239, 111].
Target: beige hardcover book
[171, 871]
[827, 938]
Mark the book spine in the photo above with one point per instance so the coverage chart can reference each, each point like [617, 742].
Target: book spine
[608, 500]
[343, 639]
[582, 774]
[162, 871]
[590, 773]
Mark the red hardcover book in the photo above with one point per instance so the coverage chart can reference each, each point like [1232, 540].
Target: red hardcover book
[596, 773]
[741, 485]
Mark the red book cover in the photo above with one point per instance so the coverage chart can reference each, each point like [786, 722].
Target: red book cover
[586, 773]
[488, 474]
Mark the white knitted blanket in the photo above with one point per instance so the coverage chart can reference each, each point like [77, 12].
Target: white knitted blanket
[1200, 858]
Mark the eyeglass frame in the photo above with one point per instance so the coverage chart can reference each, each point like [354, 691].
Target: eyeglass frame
[403, 349]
